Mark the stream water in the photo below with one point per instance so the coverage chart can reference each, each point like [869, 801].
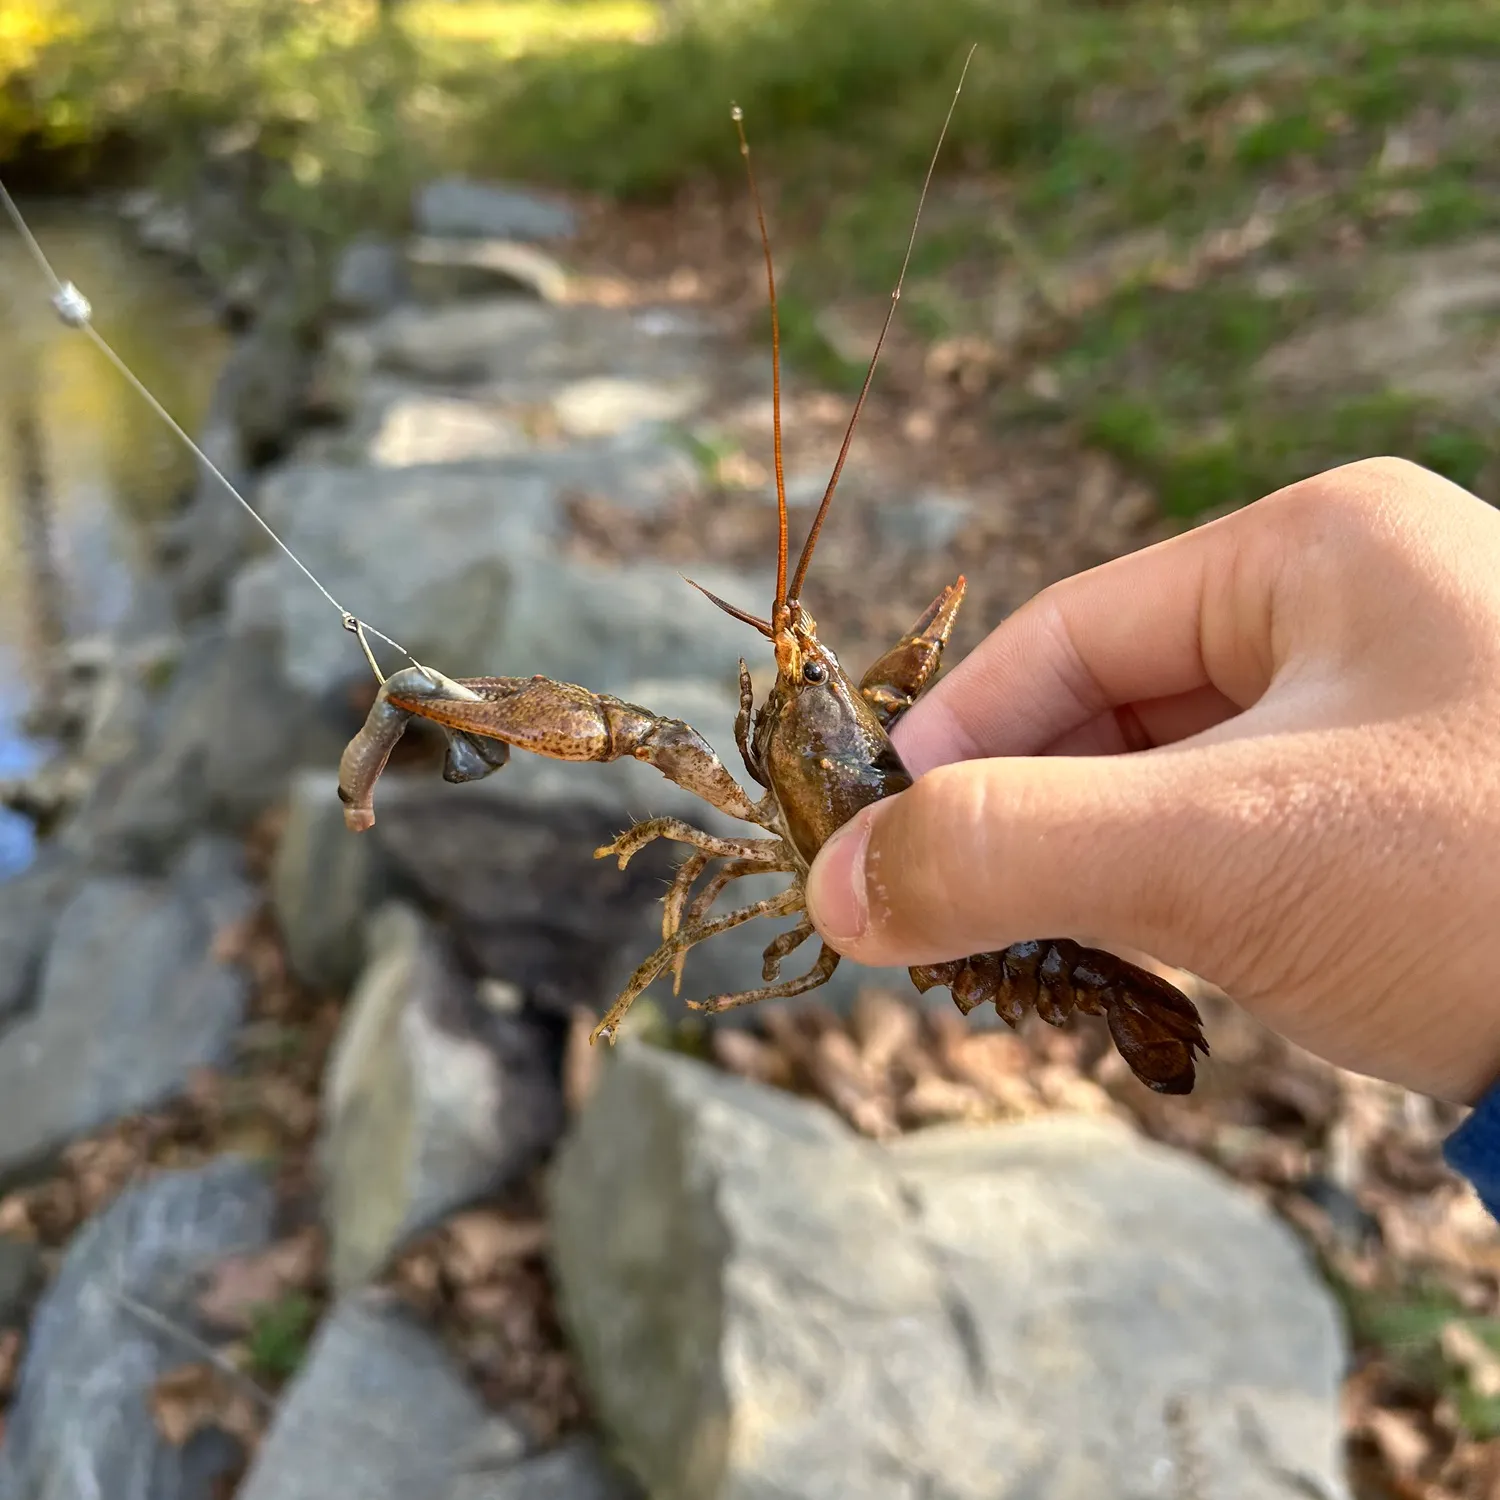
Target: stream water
[75, 547]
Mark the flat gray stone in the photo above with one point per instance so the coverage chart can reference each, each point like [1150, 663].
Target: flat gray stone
[517, 349]
[219, 746]
[444, 268]
[766, 1305]
[928, 521]
[369, 276]
[460, 558]
[29, 906]
[602, 405]
[322, 884]
[462, 207]
[419, 428]
[377, 1412]
[431, 1099]
[576, 1470]
[129, 1001]
[80, 1425]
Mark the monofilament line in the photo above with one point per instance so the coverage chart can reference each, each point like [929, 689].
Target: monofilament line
[74, 310]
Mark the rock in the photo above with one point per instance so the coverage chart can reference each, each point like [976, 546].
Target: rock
[604, 406]
[927, 522]
[574, 1471]
[262, 386]
[29, 907]
[431, 1099]
[377, 1412]
[322, 885]
[457, 206]
[444, 269]
[423, 429]
[369, 277]
[21, 1275]
[217, 748]
[517, 881]
[203, 543]
[522, 351]
[461, 558]
[80, 1424]
[764, 1304]
[130, 1000]
[167, 229]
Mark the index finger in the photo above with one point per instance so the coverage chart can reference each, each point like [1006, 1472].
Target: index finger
[1187, 617]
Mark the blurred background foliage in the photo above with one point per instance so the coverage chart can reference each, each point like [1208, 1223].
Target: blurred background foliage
[1181, 188]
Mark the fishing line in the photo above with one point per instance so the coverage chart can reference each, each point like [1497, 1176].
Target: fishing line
[74, 309]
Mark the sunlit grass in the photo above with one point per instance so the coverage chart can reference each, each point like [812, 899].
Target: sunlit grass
[1085, 125]
[513, 28]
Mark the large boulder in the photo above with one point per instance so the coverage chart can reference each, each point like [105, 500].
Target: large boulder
[433, 1097]
[130, 1000]
[765, 1304]
[377, 1412]
[118, 1317]
[489, 210]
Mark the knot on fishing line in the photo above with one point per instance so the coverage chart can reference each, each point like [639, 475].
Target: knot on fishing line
[72, 306]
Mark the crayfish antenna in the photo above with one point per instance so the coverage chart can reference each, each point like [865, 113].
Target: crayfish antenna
[838, 468]
[738, 116]
[764, 626]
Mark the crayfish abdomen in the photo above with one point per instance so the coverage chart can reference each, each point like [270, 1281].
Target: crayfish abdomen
[1153, 1024]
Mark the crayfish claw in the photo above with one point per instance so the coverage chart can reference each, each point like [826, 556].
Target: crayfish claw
[605, 850]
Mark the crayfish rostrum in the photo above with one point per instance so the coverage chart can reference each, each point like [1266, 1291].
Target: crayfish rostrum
[820, 748]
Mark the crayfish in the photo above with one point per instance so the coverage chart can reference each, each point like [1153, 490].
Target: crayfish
[820, 749]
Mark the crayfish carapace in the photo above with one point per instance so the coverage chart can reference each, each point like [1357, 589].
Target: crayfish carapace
[820, 748]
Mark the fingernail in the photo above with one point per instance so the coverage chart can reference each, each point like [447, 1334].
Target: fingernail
[836, 898]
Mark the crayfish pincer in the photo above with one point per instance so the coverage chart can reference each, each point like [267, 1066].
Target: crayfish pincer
[820, 749]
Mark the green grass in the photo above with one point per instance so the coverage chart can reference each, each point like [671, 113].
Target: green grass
[1261, 450]
[1095, 124]
[279, 1333]
[1089, 125]
[1409, 1327]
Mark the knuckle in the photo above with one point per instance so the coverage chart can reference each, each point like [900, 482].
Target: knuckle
[1367, 498]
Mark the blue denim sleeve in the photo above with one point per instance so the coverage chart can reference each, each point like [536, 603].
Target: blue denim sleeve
[1473, 1150]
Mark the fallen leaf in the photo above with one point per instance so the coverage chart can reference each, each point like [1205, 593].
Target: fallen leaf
[15, 1218]
[1463, 1347]
[234, 941]
[183, 1402]
[840, 1076]
[12, 1344]
[1399, 1436]
[195, 1397]
[1066, 1089]
[745, 1055]
[287, 1102]
[1473, 1470]
[242, 1284]
[486, 1303]
[480, 1242]
[581, 1061]
[885, 1027]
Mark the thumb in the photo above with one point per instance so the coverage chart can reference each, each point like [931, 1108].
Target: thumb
[1203, 855]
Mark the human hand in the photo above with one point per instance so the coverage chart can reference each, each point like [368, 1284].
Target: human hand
[1267, 751]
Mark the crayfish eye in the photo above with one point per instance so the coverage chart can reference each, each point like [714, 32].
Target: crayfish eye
[814, 671]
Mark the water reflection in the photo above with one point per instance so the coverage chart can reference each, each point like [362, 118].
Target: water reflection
[108, 465]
